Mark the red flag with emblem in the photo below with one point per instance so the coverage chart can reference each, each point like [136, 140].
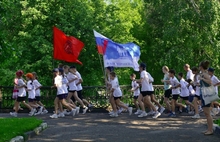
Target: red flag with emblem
[66, 48]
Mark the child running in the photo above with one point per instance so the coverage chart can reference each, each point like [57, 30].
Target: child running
[136, 92]
[61, 92]
[146, 91]
[21, 95]
[37, 86]
[117, 94]
[184, 95]
[31, 93]
[197, 99]
[175, 92]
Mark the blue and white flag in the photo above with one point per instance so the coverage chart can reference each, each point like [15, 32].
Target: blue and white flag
[119, 55]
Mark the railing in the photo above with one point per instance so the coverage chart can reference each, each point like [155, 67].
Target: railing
[94, 94]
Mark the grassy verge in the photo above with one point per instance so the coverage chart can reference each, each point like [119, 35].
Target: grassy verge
[217, 122]
[11, 127]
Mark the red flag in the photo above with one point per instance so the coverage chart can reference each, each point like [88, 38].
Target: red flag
[66, 48]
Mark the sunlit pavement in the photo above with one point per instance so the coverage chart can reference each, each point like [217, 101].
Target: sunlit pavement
[100, 127]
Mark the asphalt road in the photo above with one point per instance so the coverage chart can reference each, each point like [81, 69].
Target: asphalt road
[99, 127]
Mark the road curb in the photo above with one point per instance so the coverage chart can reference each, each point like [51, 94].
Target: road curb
[216, 129]
[30, 134]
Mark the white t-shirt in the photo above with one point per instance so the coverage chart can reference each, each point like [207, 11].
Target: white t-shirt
[65, 82]
[36, 85]
[79, 86]
[21, 91]
[151, 79]
[215, 80]
[31, 88]
[135, 87]
[191, 90]
[184, 88]
[190, 75]
[145, 85]
[61, 88]
[197, 87]
[72, 85]
[115, 85]
[174, 82]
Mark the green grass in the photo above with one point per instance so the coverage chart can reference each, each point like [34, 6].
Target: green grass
[12, 127]
[217, 122]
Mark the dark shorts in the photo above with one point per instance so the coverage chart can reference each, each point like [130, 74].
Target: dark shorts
[184, 98]
[198, 97]
[21, 99]
[65, 95]
[37, 98]
[72, 91]
[147, 93]
[31, 100]
[61, 96]
[79, 93]
[135, 97]
[175, 96]
[115, 98]
[168, 93]
[191, 98]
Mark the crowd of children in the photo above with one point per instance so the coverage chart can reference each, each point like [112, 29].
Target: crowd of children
[67, 81]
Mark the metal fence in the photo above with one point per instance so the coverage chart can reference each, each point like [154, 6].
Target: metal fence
[96, 95]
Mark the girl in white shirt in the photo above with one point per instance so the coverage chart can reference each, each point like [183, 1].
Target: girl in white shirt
[61, 92]
[72, 78]
[21, 95]
[136, 92]
[184, 95]
[117, 94]
[196, 99]
[37, 86]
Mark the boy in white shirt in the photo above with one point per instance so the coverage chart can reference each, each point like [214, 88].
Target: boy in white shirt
[117, 94]
[184, 95]
[189, 74]
[175, 92]
[146, 91]
[136, 92]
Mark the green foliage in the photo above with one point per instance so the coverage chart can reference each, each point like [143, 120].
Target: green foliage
[169, 33]
[12, 127]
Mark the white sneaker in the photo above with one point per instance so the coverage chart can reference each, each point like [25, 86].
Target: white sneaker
[157, 114]
[215, 111]
[65, 112]
[114, 115]
[138, 112]
[143, 114]
[77, 110]
[162, 110]
[191, 112]
[14, 114]
[31, 113]
[37, 113]
[73, 112]
[200, 110]
[151, 112]
[40, 110]
[44, 112]
[54, 116]
[130, 110]
[120, 111]
[84, 110]
[156, 108]
[61, 114]
[110, 113]
[196, 116]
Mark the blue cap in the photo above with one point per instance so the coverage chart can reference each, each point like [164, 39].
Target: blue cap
[143, 65]
[211, 69]
[72, 67]
[60, 70]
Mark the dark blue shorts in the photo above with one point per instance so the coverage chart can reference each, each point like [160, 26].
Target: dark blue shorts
[135, 97]
[191, 98]
[21, 99]
[37, 98]
[31, 100]
[61, 96]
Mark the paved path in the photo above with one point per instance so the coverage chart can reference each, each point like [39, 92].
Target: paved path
[99, 127]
